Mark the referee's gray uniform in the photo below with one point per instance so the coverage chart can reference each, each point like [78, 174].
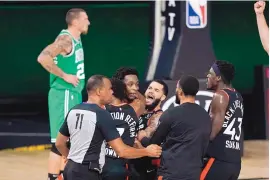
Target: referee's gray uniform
[88, 126]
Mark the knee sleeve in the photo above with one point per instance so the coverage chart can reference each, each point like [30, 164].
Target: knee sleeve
[54, 150]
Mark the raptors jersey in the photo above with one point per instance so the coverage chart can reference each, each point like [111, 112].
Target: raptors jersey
[226, 145]
[126, 122]
[143, 120]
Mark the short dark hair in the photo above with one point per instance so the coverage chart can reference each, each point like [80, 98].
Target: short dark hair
[119, 89]
[124, 71]
[165, 86]
[73, 14]
[227, 71]
[95, 82]
[189, 85]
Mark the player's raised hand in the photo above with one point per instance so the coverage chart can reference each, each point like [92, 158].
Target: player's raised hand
[154, 150]
[72, 79]
[259, 7]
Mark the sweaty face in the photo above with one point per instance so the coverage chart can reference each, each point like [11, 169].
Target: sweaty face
[83, 22]
[106, 92]
[211, 80]
[153, 94]
[132, 83]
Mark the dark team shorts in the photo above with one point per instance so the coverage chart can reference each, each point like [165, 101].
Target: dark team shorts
[76, 171]
[215, 169]
[115, 169]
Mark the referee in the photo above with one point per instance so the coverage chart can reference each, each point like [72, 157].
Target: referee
[185, 131]
[88, 125]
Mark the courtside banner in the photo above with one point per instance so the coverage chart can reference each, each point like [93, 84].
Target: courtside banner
[182, 42]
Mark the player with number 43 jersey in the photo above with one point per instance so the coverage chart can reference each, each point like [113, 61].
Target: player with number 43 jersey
[223, 155]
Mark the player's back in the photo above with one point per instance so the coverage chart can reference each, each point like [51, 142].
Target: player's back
[126, 122]
[186, 143]
[226, 145]
[73, 63]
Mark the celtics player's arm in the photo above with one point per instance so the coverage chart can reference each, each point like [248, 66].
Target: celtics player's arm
[217, 111]
[138, 104]
[62, 45]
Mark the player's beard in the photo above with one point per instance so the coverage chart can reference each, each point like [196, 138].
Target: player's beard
[177, 100]
[152, 106]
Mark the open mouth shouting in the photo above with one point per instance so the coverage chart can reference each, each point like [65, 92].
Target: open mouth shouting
[150, 99]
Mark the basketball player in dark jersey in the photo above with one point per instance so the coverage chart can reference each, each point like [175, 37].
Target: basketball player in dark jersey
[126, 121]
[226, 112]
[148, 122]
[130, 77]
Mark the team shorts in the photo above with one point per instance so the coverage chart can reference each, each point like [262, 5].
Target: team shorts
[60, 102]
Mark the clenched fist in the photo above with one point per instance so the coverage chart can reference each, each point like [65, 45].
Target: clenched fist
[259, 7]
[153, 150]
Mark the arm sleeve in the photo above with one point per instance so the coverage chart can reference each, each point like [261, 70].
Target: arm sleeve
[106, 125]
[64, 128]
[163, 129]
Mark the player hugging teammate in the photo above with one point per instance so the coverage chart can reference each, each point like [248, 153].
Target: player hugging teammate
[148, 110]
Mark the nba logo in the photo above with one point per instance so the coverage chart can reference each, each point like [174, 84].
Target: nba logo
[196, 14]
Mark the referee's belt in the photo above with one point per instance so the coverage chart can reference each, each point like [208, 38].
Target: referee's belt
[92, 166]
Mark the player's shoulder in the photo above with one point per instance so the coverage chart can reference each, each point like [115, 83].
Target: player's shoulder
[89, 107]
[63, 38]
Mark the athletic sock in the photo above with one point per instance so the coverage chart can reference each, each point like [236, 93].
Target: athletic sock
[52, 176]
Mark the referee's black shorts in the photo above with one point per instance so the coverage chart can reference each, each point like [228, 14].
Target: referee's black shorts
[76, 171]
[215, 169]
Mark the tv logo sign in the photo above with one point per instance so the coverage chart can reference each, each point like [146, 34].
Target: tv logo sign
[196, 14]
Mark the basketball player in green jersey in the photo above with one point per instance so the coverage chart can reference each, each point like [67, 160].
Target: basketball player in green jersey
[64, 60]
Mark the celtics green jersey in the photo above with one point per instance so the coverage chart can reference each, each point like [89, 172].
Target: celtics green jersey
[72, 63]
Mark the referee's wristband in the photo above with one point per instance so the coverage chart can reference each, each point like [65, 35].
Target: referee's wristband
[145, 141]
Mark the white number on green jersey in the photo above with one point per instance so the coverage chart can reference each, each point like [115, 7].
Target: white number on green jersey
[80, 71]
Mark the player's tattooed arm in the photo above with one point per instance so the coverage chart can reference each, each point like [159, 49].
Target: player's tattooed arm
[153, 124]
[139, 104]
[217, 112]
[62, 45]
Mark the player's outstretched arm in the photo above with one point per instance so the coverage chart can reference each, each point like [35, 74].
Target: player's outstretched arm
[62, 45]
[61, 139]
[262, 25]
[217, 112]
[127, 152]
[61, 144]
[106, 125]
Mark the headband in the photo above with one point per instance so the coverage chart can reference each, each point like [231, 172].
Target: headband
[216, 69]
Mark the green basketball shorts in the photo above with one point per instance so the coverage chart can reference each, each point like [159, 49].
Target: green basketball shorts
[60, 102]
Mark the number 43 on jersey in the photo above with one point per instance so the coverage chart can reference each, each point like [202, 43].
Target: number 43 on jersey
[231, 130]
